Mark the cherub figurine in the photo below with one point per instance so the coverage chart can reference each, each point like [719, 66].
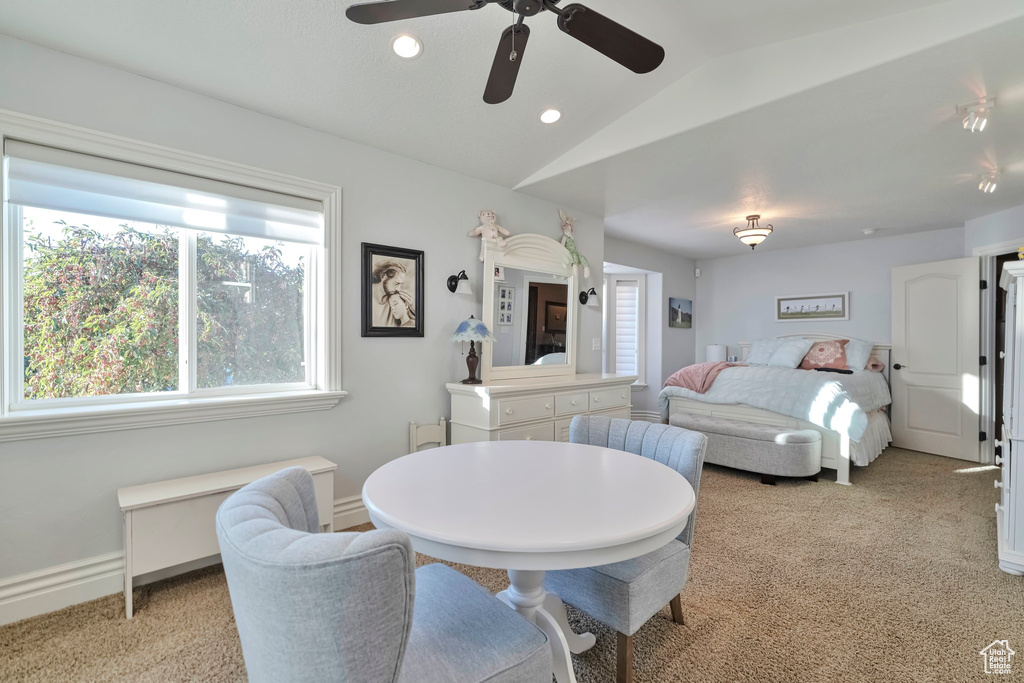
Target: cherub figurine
[578, 259]
[489, 231]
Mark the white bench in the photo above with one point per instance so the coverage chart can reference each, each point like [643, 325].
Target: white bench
[169, 523]
[767, 450]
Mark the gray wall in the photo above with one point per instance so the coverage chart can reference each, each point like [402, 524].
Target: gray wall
[57, 495]
[668, 349]
[737, 294]
[996, 228]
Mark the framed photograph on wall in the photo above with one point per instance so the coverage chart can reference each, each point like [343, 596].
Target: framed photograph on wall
[555, 315]
[680, 313]
[392, 291]
[506, 304]
[812, 307]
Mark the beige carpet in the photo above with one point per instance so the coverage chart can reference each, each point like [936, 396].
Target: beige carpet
[894, 578]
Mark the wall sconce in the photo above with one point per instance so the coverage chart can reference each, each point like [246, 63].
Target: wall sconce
[589, 297]
[459, 284]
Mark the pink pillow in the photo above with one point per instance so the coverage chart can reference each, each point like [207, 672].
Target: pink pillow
[826, 354]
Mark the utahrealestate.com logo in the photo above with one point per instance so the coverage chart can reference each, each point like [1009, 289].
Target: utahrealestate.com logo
[998, 657]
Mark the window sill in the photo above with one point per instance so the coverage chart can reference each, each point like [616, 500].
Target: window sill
[38, 424]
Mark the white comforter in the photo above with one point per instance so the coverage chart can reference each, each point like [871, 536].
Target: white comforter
[830, 400]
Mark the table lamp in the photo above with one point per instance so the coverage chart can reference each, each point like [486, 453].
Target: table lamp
[472, 330]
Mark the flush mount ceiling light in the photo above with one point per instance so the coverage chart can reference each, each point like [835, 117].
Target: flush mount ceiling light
[989, 182]
[976, 114]
[550, 115]
[753, 234]
[406, 46]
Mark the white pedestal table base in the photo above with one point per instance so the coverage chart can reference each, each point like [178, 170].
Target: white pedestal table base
[527, 596]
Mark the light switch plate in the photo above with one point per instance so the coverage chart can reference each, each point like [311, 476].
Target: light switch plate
[597, 343]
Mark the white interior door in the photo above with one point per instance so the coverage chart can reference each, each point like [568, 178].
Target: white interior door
[936, 367]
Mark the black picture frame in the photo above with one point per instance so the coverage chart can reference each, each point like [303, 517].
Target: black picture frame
[555, 315]
[383, 255]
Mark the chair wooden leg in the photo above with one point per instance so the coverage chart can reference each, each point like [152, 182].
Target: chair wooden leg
[624, 659]
[768, 479]
[677, 610]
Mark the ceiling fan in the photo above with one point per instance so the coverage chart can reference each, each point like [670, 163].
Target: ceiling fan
[628, 48]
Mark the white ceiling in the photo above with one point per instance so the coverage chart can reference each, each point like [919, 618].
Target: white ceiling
[303, 61]
[826, 116]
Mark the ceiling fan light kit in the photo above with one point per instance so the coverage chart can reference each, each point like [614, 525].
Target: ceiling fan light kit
[753, 234]
[976, 114]
[615, 41]
[989, 182]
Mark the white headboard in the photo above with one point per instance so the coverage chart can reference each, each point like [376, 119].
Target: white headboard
[880, 352]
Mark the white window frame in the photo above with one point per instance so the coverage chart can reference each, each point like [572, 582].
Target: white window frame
[611, 282]
[59, 417]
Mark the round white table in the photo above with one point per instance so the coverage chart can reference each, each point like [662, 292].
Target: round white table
[528, 507]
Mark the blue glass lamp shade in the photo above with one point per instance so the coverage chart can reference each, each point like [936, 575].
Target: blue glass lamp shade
[472, 330]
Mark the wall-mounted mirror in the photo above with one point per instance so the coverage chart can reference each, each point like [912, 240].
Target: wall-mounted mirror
[530, 307]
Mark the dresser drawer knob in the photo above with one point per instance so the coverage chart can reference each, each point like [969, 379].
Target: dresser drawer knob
[998, 484]
[508, 412]
[529, 438]
[547, 406]
[597, 399]
[575, 403]
[623, 396]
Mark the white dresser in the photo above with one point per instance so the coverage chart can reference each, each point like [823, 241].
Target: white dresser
[1010, 508]
[538, 409]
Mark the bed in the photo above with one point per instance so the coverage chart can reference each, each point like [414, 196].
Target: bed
[850, 411]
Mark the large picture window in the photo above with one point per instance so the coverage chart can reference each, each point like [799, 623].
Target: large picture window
[126, 284]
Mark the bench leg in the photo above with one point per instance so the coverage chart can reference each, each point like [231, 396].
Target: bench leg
[677, 610]
[623, 658]
[768, 479]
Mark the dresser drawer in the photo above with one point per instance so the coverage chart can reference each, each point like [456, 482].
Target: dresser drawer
[525, 409]
[541, 432]
[570, 404]
[609, 398]
[617, 412]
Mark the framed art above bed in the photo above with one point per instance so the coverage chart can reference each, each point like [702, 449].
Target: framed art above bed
[812, 307]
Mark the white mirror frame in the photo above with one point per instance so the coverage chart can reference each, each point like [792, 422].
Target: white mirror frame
[539, 254]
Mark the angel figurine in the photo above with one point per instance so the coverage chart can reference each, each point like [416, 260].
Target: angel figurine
[489, 231]
[578, 259]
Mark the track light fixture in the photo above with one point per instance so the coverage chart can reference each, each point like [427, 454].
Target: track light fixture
[976, 114]
[989, 182]
[753, 234]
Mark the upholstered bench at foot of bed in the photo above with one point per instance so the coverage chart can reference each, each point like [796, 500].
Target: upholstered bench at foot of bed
[765, 449]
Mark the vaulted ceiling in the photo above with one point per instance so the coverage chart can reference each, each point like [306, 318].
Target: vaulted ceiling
[824, 115]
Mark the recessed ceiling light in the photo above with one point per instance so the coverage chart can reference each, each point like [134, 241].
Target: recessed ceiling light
[406, 46]
[550, 115]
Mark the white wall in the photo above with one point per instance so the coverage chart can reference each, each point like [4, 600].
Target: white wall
[57, 496]
[668, 349]
[995, 228]
[737, 294]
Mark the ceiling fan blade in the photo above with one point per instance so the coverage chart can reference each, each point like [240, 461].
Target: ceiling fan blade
[504, 70]
[396, 10]
[628, 48]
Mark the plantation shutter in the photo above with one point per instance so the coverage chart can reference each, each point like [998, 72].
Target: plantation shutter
[627, 327]
[56, 179]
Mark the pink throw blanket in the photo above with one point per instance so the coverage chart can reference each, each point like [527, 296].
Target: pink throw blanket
[698, 377]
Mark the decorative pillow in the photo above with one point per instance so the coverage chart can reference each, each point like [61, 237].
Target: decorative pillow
[761, 351]
[826, 354]
[790, 353]
[857, 354]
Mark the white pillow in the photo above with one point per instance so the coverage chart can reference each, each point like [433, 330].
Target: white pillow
[761, 351]
[858, 353]
[790, 353]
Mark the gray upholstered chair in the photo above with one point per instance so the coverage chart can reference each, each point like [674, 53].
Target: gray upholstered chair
[340, 607]
[624, 595]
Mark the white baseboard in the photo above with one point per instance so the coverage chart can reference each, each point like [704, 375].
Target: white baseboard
[54, 588]
[646, 415]
[57, 587]
[349, 512]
